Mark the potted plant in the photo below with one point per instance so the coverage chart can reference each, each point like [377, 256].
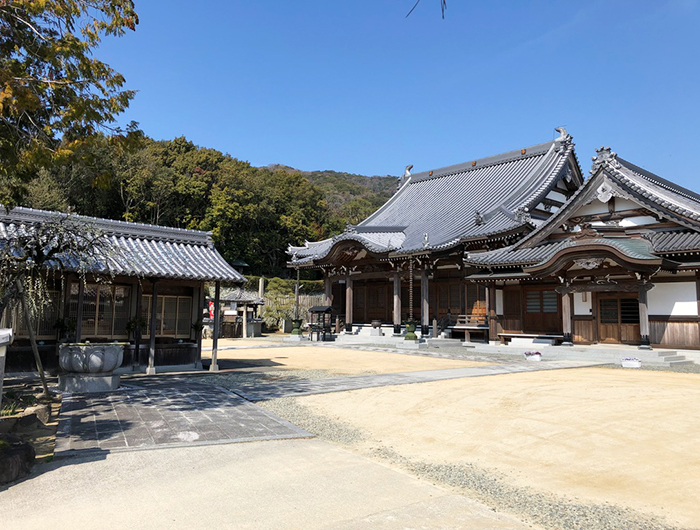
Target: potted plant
[532, 356]
[411, 331]
[135, 324]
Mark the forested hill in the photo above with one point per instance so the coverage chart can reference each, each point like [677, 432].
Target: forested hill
[253, 212]
[350, 197]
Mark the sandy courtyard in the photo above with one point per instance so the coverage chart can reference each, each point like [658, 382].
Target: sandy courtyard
[596, 435]
[337, 360]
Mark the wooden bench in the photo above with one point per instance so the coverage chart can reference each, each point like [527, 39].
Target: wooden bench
[470, 324]
[553, 338]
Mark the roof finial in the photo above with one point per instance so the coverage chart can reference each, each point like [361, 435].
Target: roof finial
[406, 174]
[604, 155]
[562, 133]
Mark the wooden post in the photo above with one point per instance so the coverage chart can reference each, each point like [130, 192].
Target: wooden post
[328, 290]
[566, 319]
[491, 311]
[397, 304]
[644, 317]
[214, 367]
[348, 305]
[244, 321]
[197, 306]
[79, 312]
[151, 368]
[425, 303]
[137, 330]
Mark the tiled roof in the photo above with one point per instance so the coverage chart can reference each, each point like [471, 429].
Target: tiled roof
[654, 192]
[638, 249]
[140, 249]
[676, 241]
[438, 209]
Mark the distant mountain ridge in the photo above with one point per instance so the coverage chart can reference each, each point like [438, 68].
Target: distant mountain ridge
[347, 194]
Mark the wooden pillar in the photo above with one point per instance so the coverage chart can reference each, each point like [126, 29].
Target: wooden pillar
[644, 317]
[566, 319]
[79, 313]
[348, 305]
[328, 290]
[244, 322]
[214, 367]
[397, 304]
[425, 303]
[137, 330]
[197, 306]
[151, 368]
[491, 311]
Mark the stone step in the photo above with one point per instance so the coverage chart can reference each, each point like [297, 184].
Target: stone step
[672, 358]
[665, 353]
[679, 363]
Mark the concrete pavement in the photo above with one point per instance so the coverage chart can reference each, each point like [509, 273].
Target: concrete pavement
[289, 484]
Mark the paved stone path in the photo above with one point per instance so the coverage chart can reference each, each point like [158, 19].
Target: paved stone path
[340, 384]
[165, 413]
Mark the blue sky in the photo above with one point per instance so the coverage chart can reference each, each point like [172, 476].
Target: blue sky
[355, 86]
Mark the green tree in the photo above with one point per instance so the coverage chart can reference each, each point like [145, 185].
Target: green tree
[53, 92]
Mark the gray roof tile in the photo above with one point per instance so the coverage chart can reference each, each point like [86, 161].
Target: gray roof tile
[140, 249]
[443, 203]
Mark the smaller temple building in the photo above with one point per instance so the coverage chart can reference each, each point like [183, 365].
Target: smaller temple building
[618, 263]
[154, 299]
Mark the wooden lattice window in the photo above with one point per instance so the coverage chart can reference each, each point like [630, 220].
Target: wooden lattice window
[476, 299]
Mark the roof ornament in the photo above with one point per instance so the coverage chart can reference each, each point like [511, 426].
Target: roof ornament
[522, 215]
[478, 219]
[605, 192]
[564, 139]
[406, 175]
[425, 240]
[604, 156]
[349, 228]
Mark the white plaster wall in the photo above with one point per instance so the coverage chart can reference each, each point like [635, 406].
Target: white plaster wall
[602, 207]
[590, 209]
[582, 307]
[638, 221]
[675, 299]
[557, 196]
[499, 301]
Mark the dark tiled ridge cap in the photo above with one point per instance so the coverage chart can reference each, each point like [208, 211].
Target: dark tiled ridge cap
[21, 214]
[479, 163]
[370, 229]
[659, 181]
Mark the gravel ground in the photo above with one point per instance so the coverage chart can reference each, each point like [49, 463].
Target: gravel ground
[680, 368]
[546, 510]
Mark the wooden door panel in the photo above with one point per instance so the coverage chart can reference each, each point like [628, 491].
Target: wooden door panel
[609, 333]
[629, 333]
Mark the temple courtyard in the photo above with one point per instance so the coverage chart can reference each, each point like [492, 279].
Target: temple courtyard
[370, 437]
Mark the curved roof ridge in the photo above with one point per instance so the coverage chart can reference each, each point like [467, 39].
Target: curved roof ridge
[110, 226]
[660, 181]
[480, 163]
